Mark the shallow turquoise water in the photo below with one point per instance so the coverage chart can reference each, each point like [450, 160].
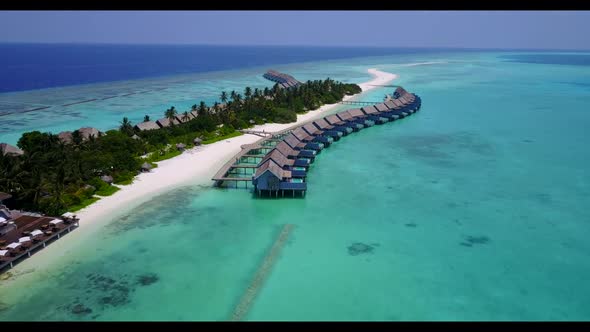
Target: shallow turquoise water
[472, 209]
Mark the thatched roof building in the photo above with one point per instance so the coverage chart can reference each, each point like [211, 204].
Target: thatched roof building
[10, 150]
[65, 137]
[107, 178]
[87, 132]
[147, 125]
[146, 167]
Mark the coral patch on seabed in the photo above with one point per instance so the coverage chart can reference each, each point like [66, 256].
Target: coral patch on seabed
[361, 248]
[471, 240]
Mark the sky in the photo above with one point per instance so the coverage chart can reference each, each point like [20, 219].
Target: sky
[461, 29]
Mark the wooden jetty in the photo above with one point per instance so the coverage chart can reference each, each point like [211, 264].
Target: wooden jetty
[256, 132]
[241, 310]
[357, 102]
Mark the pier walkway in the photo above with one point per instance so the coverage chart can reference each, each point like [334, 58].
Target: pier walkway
[262, 273]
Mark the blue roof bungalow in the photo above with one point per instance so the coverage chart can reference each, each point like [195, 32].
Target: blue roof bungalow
[297, 167]
[272, 179]
[372, 111]
[328, 129]
[304, 136]
[361, 122]
[337, 123]
[375, 117]
[384, 109]
[291, 153]
[314, 131]
[402, 107]
[296, 144]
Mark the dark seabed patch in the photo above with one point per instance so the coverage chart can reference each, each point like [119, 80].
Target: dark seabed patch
[440, 149]
[143, 218]
[472, 240]
[147, 279]
[412, 225]
[359, 248]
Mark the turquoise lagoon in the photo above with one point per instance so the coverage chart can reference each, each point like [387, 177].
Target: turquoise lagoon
[472, 209]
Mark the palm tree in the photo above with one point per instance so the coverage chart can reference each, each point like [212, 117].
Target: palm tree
[233, 95]
[194, 107]
[248, 92]
[146, 118]
[185, 116]
[202, 108]
[170, 113]
[223, 96]
[126, 126]
[266, 91]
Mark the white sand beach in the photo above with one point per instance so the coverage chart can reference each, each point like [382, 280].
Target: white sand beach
[194, 167]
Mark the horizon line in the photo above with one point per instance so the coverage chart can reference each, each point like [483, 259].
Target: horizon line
[295, 45]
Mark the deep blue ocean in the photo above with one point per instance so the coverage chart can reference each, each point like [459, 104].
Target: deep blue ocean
[37, 66]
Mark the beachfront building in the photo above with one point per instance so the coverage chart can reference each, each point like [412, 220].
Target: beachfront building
[23, 234]
[87, 132]
[65, 137]
[10, 150]
[146, 167]
[165, 122]
[147, 125]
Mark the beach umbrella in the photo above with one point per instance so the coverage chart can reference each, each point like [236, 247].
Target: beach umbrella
[24, 239]
[13, 245]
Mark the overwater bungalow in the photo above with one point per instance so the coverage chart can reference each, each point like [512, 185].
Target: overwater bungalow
[327, 138]
[337, 123]
[272, 179]
[378, 119]
[296, 144]
[291, 153]
[390, 104]
[282, 160]
[304, 136]
[147, 125]
[360, 123]
[328, 129]
[10, 150]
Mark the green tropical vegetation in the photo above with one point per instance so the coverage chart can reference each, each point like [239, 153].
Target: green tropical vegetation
[54, 176]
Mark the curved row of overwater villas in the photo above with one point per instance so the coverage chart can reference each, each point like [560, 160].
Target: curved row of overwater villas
[282, 171]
